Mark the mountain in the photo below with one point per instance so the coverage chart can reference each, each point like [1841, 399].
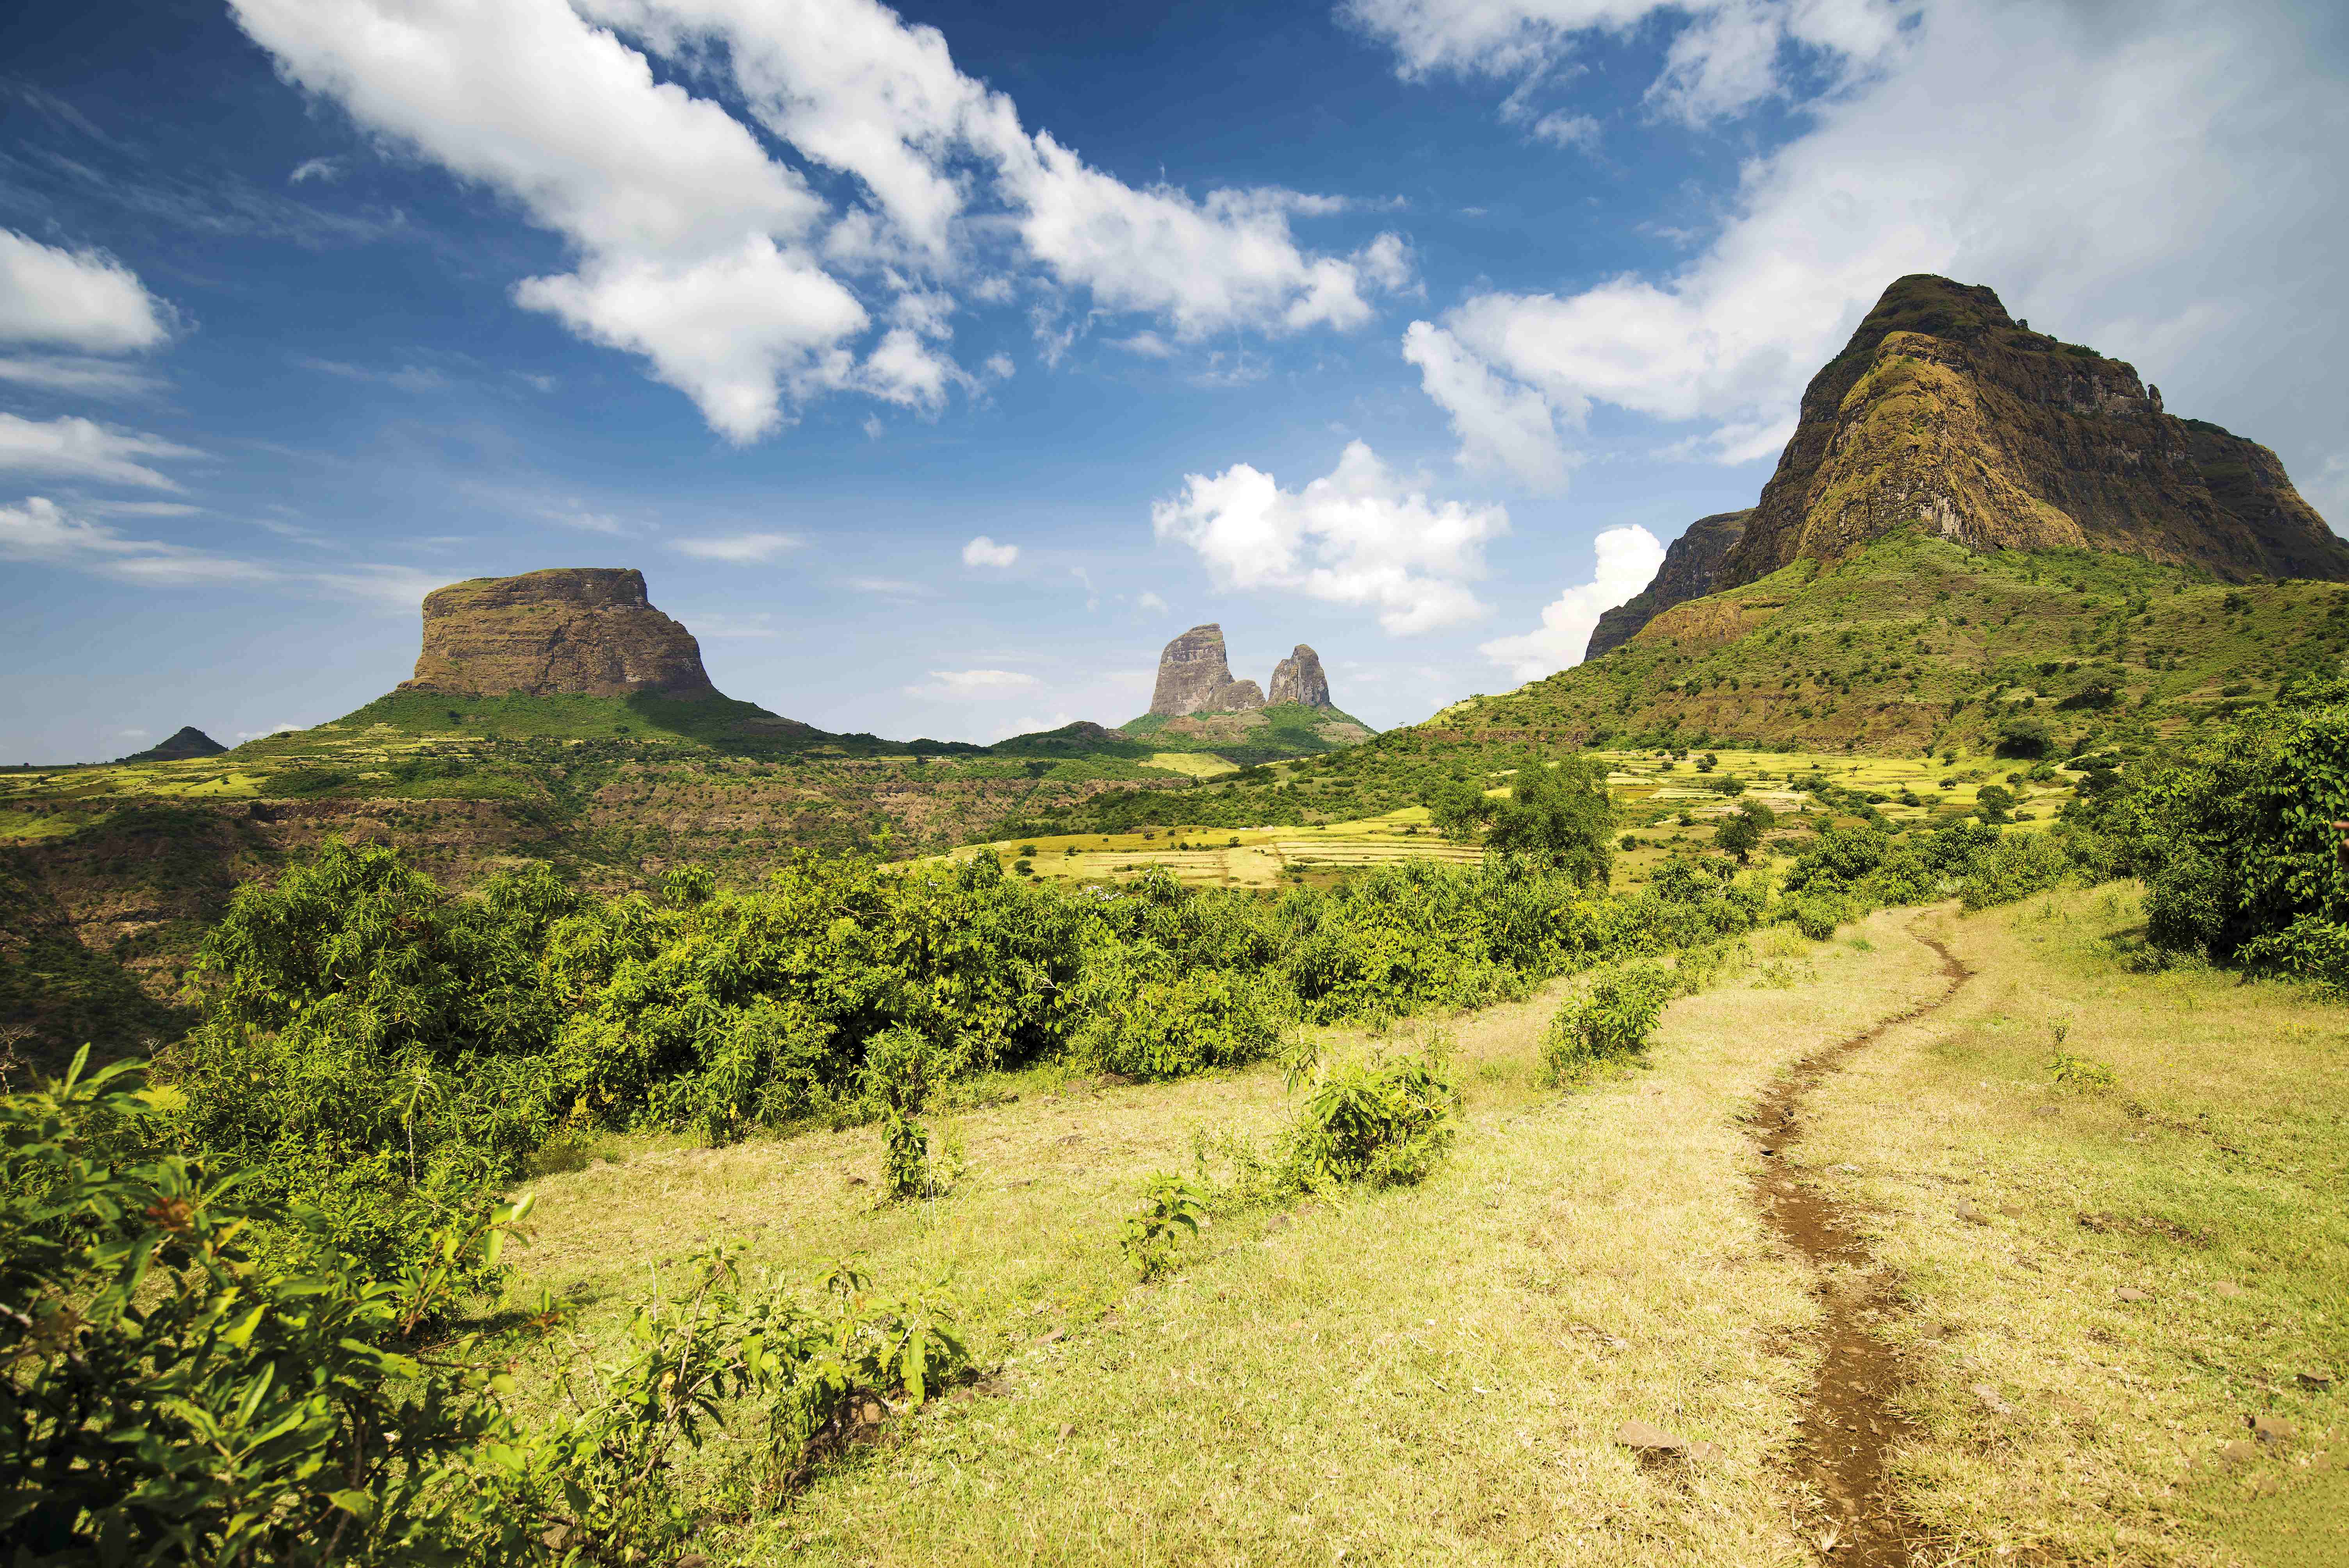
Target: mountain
[185, 742]
[1196, 706]
[1945, 413]
[1691, 569]
[1298, 681]
[1194, 676]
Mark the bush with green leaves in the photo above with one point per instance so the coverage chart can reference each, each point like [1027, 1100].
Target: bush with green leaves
[1557, 813]
[2017, 866]
[1614, 1018]
[1171, 1209]
[1374, 1121]
[2235, 838]
[174, 1396]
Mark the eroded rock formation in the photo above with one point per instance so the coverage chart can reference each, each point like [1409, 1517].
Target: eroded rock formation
[1195, 676]
[576, 629]
[1691, 569]
[1944, 410]
[1298, 679]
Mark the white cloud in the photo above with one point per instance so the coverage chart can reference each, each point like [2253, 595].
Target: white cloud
[1149, 344]
[324, 170]
[742, 548]
[406, 379]
[75, 299]
[984, 551]
[76, 375]
[1576, 131]
[890, 588]
[1628, 559]
[2108, 170]
[1502, 427]
[1360, 535]
[718, 264]
[977, 685]
[38, 530]
[1152, 603]
[69, 448]
[999, 366]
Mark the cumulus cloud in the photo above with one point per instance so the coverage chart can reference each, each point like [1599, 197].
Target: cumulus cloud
[718, 264]
[69, 448]
[1151, 602]
[1502, 427]
[2110, 170]
[324, 169]
[743, 549]
[984, 551]
[82, 300]
[1359, 535]
[1628, 559]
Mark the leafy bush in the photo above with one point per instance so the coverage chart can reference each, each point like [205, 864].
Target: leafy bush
[1614, 1018]
[174, 1396]
[2080, 1072]
[1558, 815]
[1382, 1123]
[1169, 1204]
[2015, 867]
[1816, 916]
[1994, 803]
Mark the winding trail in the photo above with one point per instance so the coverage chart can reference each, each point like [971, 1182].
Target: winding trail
[1849, 1418]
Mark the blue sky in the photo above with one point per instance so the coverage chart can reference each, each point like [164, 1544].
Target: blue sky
[936, 365]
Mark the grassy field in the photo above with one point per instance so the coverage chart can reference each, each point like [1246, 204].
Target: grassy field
[1652, 792]
[1437, 1374]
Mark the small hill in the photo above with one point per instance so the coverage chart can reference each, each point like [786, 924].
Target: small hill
[186, 742]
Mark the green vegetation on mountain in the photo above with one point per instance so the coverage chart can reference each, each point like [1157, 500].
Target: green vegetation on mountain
[1916, 643]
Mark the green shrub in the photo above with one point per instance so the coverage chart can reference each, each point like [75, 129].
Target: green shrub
[2015, 867]
[2080, 1072]
[1379, 1122]
[1614, 1018]
[174, 1396]
[1816, 916]
[1169, 1206]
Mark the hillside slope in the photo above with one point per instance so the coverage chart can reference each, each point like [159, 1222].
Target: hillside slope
[1912, 642]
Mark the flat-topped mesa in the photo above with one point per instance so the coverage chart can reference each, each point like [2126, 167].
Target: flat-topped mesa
[1195, 676]
[1297, 680]
[574, 630]
[1945, 411]
[1691, 569]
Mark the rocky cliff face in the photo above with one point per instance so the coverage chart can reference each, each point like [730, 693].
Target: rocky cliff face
[583, 630]
[1691, 569]
[1195, 676]
[1944, 410]
[1298, 679]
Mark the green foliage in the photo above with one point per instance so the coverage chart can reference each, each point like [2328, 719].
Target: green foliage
[1171, 1208]
[1377, 1121]
[1556, 815]
[1817, 915]
[2080, 1072]
[1994, 803]
[2016, 866]
[174, 1396]
[2236, 840]
[1613, 1018]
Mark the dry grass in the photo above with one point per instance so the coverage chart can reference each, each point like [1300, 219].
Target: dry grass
[2211, 1175]
[1430, 1375]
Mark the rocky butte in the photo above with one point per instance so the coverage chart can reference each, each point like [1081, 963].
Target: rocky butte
[584, 630]
[1195, 676]
[1298, 681]
[1946, 412]
[1692, 566]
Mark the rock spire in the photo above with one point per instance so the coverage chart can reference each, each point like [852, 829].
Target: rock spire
[582, 630]
[1195, 676]
[1298, 679]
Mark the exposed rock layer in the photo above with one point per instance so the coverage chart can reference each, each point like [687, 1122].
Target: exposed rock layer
[1944, 410]
[588, 631]
[1691, 569]
[1195, 676]
[187, 742]
[1298, 679]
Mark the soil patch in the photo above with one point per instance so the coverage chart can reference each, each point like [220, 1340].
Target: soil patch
[1849, 1420]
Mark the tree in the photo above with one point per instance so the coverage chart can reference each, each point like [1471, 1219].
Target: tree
[1740, 832]
[1558, 814]
[1993, 802]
